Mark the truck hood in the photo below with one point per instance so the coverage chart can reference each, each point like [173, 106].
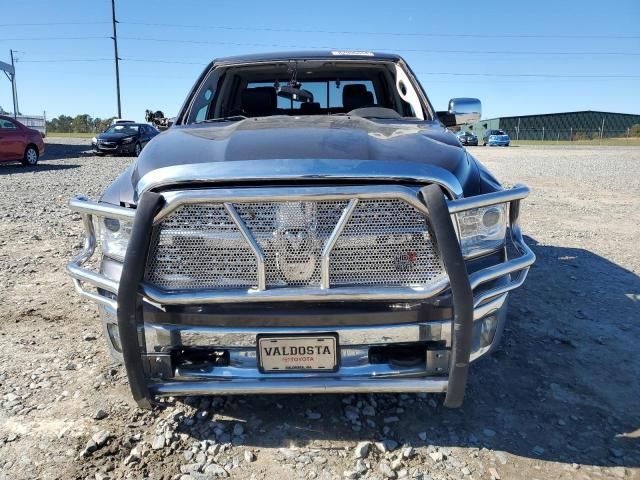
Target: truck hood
[285, 147]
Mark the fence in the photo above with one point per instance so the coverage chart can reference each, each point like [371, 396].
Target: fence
[37, 122]
[566, 135]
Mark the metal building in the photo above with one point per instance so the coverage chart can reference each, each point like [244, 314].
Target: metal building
[587, 124]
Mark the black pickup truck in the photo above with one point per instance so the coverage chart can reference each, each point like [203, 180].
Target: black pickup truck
[307, 224]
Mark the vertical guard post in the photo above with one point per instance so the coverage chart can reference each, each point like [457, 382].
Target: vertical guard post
[462, 330]
[129, 300]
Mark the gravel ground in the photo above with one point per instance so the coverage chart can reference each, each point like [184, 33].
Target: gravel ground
[558, 400]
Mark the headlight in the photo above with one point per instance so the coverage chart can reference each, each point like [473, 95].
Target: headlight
[114, 237]
[482, 230]
[128, 140]
[94, 140]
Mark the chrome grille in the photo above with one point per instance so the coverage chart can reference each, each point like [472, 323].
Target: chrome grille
[199, 247]
[292, 236]
[384, 242]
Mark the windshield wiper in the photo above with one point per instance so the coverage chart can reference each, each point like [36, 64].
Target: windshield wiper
[232, 118]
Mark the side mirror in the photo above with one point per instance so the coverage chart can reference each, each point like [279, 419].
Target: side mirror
[462, 111]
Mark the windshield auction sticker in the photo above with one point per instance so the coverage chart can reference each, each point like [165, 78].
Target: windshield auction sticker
[351, 52]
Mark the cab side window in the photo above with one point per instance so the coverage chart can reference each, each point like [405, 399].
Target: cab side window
[7, 125]
[203, 111]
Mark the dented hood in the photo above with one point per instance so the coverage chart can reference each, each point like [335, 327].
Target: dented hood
[285, 147]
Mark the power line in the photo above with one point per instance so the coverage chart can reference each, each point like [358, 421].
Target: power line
[323, 47]
[67, 60]
[43, 24]
[541, 75]
[412, 50]
[28, 39]
[177, 62]
[90, 60]
[334, 32]
[399, 34]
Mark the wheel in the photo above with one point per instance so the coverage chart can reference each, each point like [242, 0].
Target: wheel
[506, 145]
[137, 150]
[31, 156]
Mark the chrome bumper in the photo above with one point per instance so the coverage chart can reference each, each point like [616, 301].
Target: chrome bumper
[242, 377]
[307, 385]
[357, 373]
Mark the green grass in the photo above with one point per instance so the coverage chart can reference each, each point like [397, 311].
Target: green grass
[71, 134]
[618, 142]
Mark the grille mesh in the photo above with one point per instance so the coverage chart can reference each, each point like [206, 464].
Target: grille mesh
[199, 247]
[386, 242]
[292, 236]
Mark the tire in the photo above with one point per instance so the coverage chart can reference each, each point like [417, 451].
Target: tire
[137, 149]
[31, 156]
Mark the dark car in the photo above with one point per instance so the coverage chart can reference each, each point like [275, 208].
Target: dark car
[467, 138]
[124, 138]
[307, 224]
[19, 143]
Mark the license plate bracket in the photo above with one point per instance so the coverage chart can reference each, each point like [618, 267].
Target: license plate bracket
[298, 352]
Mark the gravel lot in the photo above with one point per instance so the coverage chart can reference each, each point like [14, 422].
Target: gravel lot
[559, 400]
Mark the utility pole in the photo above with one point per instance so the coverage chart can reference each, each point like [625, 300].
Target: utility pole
[14, 88]
[115, 49]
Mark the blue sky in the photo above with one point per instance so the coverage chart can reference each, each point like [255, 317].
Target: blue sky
[567, 38]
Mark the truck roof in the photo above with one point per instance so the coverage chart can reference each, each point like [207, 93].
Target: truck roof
[309, 55]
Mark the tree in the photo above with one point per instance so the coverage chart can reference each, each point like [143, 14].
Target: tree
[634, 131]
[64, 122]
[82, 123]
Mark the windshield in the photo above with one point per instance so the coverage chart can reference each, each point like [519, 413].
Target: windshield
[126, 129]
[296, 88]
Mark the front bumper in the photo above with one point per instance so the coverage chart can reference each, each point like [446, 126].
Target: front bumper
[123, 148]
[474, 307]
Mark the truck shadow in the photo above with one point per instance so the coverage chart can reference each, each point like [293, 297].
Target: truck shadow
[563, 386]
[63, 151]
[16, 168]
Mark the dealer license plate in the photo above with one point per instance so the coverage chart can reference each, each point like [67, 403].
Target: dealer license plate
[295, 353]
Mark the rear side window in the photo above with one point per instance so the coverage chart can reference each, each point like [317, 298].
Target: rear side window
[7, 125]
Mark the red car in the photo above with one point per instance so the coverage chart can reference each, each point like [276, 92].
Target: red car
[19, 143]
